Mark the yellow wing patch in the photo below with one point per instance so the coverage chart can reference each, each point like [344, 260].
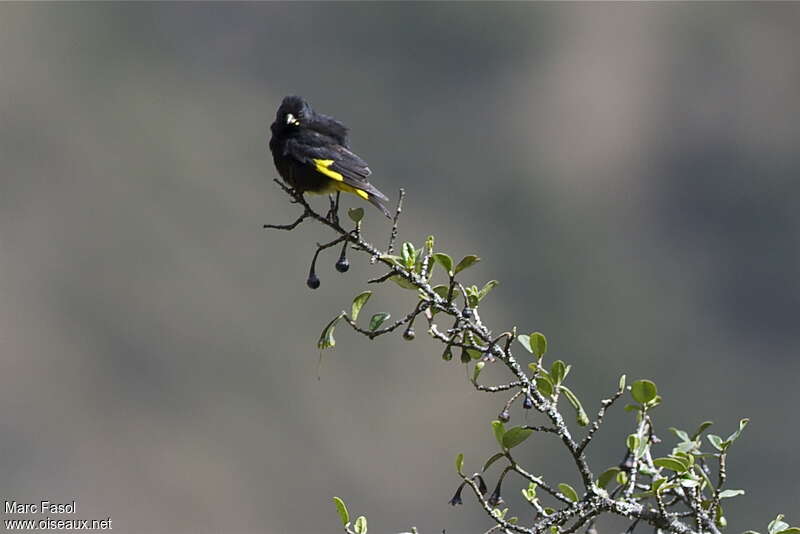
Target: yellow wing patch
[322, 166]
[350, 189]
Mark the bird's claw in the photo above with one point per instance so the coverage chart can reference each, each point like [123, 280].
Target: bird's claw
[332, 217]
[333, 213]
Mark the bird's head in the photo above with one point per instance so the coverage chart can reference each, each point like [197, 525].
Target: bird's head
[292, 112]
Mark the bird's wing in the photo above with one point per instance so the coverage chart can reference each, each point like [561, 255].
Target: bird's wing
[334, 161]
[329, 126]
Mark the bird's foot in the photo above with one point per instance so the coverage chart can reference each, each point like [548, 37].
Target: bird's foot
[296, 195]
[333, 213]
[332, 217]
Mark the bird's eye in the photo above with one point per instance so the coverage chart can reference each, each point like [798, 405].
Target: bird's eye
[292, 120]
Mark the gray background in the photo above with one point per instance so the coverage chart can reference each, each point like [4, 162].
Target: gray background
[628, 172]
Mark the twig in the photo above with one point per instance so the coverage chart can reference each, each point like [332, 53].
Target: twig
[496, 389]
[397, 212]
[606, 404]
[291, 226]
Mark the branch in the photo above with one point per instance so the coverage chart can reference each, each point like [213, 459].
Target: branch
[471, 335]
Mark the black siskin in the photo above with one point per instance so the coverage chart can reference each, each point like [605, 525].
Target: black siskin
[311, 153]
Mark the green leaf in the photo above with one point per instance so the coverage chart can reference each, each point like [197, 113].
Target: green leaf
[703, 475]
[355, 214]
[491, 284]
[558, 371]
[530, 492]
[429, 244]
[515, 435]
[632, 407]
[477, 370]
[466, 262]
[568, 491]
[702, 428]
[688, 459]
[402, 282]
[499, 431]
[716, 441]
[326, 339]
[377, 320]
[492, 460]
[474, 354]
[643, 391]
[777, 525]
[582, 418]
[441, 290]
[460, 463]
[607, 476]
[680, 434]
[342, 509]
[633, 442]
[672, 464]
[689, 482]
[728, 493]
[621, 385]
[409, 254]
[790, 530]
[657, 483]
[544, 385]
[445, 261]
[360, 526]
[538, 344]
[358, 303]
[394, 260]
[573, 400]
[525, 341]
[733, 437]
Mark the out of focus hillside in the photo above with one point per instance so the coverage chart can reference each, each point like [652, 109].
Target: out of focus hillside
[628, 172]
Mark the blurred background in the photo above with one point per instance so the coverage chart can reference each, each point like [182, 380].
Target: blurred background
[628, 173]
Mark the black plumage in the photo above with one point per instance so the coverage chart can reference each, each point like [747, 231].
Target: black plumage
[311, 152]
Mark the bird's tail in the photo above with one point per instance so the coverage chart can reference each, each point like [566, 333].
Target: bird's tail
[378, 204]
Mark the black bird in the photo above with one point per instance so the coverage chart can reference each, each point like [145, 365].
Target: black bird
[312, 153]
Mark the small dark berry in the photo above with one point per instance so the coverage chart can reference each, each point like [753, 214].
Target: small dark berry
[313, 281]
[495, 499]
[456, 500]
[465, 357]
[528, 402]
[504, 416]
[467, 313]
[447, 355]
[409, 334]
[343, 265]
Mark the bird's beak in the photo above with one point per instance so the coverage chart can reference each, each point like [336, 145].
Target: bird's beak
[291, 119]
